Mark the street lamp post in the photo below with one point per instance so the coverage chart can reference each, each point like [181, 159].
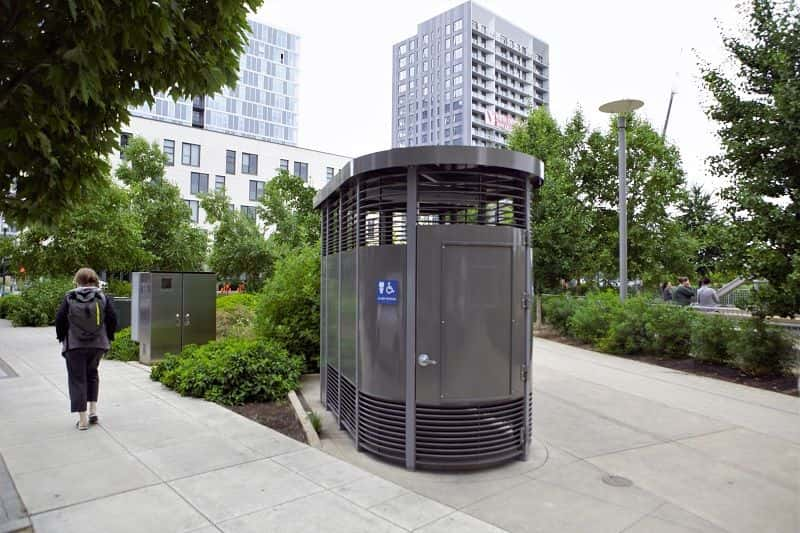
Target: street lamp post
[620, 108]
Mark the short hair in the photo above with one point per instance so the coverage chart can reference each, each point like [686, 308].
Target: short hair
[682, 279]
[705, 281]
[86, 277]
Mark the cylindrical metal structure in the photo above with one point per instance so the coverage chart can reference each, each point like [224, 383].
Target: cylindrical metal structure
[425, 320]
[623, 210]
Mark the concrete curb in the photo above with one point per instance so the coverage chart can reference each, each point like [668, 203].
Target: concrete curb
[311, 434]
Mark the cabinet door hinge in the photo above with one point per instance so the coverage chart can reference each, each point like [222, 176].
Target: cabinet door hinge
[526, 300]
[523, 373]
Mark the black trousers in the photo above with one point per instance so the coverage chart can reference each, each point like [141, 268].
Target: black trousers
[82, 376]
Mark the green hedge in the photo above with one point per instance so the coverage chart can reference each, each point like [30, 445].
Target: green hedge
[39, 301]
[7, 303]
[642, 326]
[119, 288]
[123, 348]
[231, 371]
[232, 301]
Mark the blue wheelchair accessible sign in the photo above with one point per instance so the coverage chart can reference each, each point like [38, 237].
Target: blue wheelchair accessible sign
[388, 291]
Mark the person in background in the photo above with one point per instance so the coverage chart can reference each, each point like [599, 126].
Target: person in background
[666, 291]
[706, 296]
[683, 293]
[85, 326]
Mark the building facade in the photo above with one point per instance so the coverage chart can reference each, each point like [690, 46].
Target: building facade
[200, 161]
[465, 78]
[263, 105]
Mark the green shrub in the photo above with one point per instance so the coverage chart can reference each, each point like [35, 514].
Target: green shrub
[123, 348]
[39, 302]
[627, 334]
[119, 288]
[7, 303]
[592, 319]
[238, 322]
[669, 330]
[231, 371]
[232, 301]
[288, 311]
[556, 311]
[711, 335]
[762, 350]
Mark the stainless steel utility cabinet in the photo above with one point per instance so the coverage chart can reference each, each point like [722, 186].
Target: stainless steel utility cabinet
[425, 321]
[172, 310]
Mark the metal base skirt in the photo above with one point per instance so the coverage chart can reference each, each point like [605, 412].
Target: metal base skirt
[460, 437]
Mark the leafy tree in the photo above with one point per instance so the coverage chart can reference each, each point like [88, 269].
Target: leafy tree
[287, 210]
[701, 222]
[657, 247]
[69, 70]
[100, 231]
[168, 235]
[239, 247]
[559, 219]
[759, 126]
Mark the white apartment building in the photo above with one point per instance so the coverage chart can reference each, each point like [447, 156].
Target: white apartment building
[201, 161]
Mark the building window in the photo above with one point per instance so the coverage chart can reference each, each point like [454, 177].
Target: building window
[190, 154]
[219, 183]
[285, 165]
[301, 170]
[458, 53]
[256, 190]
[123, 144]
[194, 206]
[199, 183]
[249, 211]
[457, 25]
[329, 172]
[230, 161]
[169, 151]
[402, 75]
[249, 163]
[458, 39]
[402, 49]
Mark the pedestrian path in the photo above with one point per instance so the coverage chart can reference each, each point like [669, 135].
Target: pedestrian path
[695, 454]
[158, 462]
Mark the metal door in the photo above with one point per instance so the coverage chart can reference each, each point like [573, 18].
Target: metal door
[470, 317]
[198, 313]
[165, 335]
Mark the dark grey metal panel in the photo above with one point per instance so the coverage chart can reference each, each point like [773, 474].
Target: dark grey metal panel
[458, 157]
[122, 306]
[199, 310]
[332, 309]
[165, 308]
[381, 356]
[476, 328]
[431, 241]
[348, 313]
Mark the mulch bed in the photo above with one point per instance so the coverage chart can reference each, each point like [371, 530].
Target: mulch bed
[275, 415]
[781, 384]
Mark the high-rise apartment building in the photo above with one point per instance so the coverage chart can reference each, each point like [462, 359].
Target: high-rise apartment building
[263, 105]
[465, 78]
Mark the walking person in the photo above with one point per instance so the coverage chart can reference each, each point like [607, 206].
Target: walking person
[85, 326]
[684, 292]
[706, 296]
[666, 291]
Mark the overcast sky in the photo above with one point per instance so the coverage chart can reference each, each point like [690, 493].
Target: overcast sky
[599, 51]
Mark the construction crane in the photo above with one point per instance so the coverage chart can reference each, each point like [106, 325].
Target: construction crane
[669, 109]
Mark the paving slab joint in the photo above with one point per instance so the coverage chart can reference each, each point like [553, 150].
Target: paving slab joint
[302, 416]
[21, 525]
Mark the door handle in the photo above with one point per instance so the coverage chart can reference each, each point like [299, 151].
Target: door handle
[177, 320]
[425, 360]
[187, 320]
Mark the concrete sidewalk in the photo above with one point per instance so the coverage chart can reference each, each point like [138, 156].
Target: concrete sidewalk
[158, 462]
[702, 454]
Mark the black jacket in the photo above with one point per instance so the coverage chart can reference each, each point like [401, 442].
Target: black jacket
[62, 324]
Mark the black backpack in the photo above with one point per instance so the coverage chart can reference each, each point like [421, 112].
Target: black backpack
[86, 315]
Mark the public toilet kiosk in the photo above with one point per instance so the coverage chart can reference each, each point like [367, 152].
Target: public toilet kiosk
[425, 291]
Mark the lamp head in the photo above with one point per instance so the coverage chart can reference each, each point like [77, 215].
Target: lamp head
[621, 106]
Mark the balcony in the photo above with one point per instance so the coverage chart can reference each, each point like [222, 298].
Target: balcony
[506, 72]
[482, 60]
[488, 99]
[481, 29]
[484, 47]
[477, 72]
